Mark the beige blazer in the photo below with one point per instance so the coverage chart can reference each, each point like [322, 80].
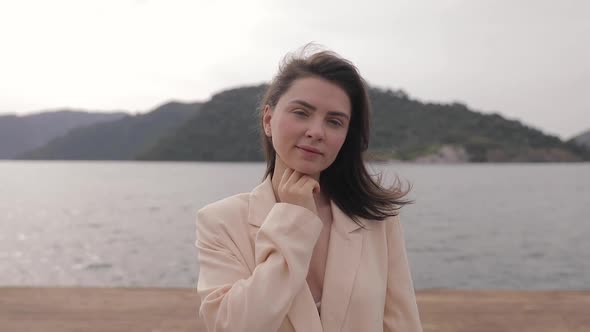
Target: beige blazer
[254, 256]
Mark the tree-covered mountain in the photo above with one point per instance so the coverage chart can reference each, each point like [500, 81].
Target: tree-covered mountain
[19, 134]
[408, 129]
[226, 129]
[121, 139]
[582, 139]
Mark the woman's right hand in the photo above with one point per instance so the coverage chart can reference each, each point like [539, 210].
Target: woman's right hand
[298, 188]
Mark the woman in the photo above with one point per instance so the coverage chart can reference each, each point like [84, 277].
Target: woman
[317, 246]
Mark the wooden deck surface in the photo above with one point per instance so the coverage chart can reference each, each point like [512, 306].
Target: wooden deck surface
[159, 310]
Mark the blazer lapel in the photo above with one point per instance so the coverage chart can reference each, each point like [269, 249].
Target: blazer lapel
[344, 254]
[303, 313]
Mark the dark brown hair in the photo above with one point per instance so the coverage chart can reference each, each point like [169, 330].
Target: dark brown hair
[346, 181]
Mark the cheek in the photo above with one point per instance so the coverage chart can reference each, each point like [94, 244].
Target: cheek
[288, 131]
[284, 128]
[283, 134]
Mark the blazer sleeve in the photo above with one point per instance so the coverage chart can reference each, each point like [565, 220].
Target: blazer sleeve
[232, 298]
[401, 309]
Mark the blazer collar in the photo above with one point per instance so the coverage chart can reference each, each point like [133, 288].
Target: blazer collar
[344, 256]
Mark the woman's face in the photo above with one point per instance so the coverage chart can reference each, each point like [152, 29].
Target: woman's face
[312, 115]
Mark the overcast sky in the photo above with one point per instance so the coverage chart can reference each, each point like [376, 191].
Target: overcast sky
[527, 60]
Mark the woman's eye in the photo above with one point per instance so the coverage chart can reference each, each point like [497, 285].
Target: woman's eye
[335, 122]
[301, 113]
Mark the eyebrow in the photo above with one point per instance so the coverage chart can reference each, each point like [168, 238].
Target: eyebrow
[313, 108]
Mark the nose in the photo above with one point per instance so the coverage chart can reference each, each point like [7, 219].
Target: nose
[315, 130]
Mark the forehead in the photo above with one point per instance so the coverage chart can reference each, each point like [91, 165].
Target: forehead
[321, 93]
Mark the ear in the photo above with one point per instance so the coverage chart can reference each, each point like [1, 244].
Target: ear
[266, 117]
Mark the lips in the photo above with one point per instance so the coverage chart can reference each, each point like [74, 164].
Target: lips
[309, 149]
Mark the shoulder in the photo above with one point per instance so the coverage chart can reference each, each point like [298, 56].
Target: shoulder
[394, 235]
[227, 206]
[392, 226]
[388, 229]
[386, 225]
[222, 213]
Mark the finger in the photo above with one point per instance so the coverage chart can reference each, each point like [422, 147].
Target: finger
[302, 180]
[316, 187]
[311, 185]
[294, 178]
[308, 183]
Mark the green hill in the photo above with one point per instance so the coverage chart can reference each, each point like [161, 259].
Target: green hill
[21, 133]
[121, 139]
[226, 129]
[582, 139]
